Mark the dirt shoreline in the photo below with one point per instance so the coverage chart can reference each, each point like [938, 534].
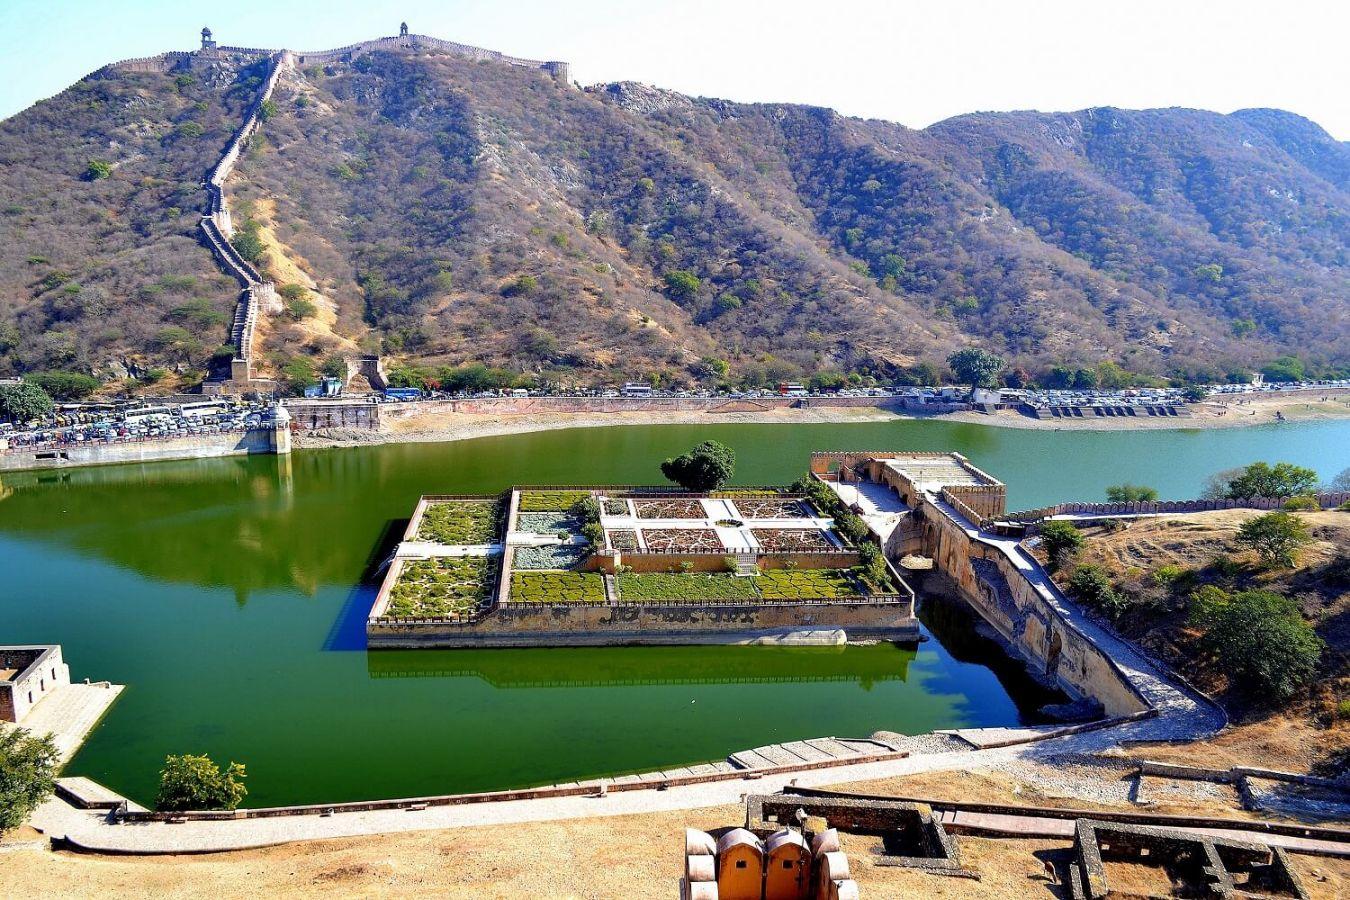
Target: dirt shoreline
[449, 426]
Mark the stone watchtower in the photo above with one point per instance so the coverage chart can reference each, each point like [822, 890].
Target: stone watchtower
[208, 43]
[403, 29]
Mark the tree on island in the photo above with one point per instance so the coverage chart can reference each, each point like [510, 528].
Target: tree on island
[23, 402]
[976, 367]
[706, 467]
[196, 782]
[27, 775]
[1130, 493]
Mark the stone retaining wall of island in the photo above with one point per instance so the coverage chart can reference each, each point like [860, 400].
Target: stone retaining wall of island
[601, 625]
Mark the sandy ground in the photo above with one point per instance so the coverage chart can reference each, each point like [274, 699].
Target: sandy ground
[441, 427]
[623, 858]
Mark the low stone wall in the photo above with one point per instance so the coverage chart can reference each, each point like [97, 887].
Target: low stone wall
[1327, 500]
[253, 441]
[587, 625]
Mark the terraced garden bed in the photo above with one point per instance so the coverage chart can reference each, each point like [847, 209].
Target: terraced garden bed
[560, 556]
[678, 540]
[790, 539]
[446, 586]
[670, 509]
[457, 522]
[557, 587]
[775, 585]
[809, 584]
[549, 501]
[616, 507]
[634, 588]
[546, 522]
[623, 539]
[771, 507]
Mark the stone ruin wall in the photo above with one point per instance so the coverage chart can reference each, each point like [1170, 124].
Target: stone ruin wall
[1033, 628]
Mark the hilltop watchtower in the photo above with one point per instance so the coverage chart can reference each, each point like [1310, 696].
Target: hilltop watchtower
[208, 43]
[403, 29]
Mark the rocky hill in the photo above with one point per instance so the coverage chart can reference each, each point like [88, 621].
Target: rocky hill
[441, 210]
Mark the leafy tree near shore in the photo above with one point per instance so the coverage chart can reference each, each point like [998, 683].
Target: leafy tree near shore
[1261, 479]
[1277, 536]
[196, 782]
[976, 367]
[64, 385]
[23, 402]
[706, 467]
[27, 775]
[1130, 493]
[1260, 638]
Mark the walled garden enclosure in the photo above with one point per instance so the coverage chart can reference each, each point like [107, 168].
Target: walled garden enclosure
[737, 561]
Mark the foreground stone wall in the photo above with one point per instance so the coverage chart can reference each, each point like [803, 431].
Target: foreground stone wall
[585, 625]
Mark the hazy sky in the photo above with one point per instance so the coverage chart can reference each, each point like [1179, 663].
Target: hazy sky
[911, 61]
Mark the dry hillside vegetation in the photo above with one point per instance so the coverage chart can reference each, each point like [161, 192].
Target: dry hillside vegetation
[1157, 564]
[448, 210]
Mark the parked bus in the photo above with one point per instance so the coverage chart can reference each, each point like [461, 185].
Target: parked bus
[203, 408]
[137, 416]
[637, 389]
[403, 393]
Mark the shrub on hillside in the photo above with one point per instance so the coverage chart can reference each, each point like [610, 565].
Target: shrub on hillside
[1061, 540]
[1090, 585]
[1276, 536]
[1260, 638]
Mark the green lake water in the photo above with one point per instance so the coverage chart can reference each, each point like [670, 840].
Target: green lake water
[230, 596]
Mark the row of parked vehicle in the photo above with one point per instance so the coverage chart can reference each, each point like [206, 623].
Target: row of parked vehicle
[75, 424]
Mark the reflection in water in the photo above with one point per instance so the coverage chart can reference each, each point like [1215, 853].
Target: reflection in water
[608, 667]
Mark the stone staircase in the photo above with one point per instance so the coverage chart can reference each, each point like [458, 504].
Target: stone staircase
[747, 564]
[217, 228]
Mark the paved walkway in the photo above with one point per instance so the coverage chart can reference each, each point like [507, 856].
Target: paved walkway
[69, 713]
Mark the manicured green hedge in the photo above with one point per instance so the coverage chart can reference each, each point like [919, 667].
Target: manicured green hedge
[548, 501]
[439, 587]
[808, 584]
[459, 522]
[691, 586]
[773, 585]
[557, 587]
